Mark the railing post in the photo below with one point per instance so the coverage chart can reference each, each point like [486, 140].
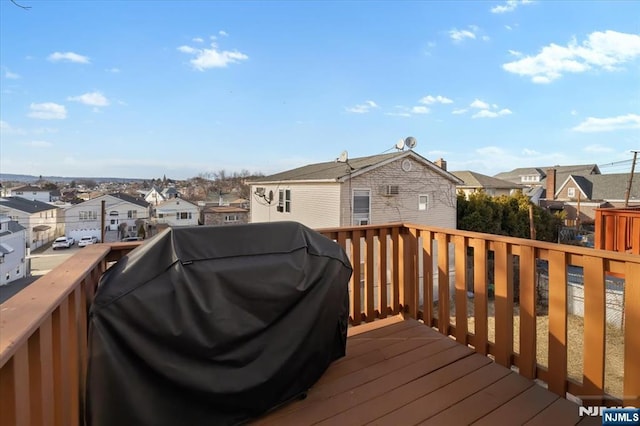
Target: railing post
[631, 385]
[407, 272]
[503, 274]
[558, 322]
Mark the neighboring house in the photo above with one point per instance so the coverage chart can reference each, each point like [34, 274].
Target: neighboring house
[13, 250]
[397, 187]
[175, 212]
[43, 221]
[157, 195]
[579, 196]
[224, 215]
[31, 192]
[85, 218]
[476, 182]
[536, 176]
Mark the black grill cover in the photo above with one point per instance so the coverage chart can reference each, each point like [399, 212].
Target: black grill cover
[214, 325]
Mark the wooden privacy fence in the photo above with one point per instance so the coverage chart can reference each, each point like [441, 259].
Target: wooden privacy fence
[618, 230]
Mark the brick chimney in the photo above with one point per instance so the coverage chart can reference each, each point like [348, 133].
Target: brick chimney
[551, 184]
[441, 163]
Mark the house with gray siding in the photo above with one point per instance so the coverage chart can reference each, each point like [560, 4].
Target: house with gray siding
[397, 187]
[43, 221]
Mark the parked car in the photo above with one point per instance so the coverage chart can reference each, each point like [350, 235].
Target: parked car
[126, 239]
[63, 242]
[87, 240]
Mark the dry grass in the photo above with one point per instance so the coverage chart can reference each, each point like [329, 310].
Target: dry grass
[614, 347]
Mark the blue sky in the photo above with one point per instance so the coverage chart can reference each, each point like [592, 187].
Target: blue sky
[180, 88]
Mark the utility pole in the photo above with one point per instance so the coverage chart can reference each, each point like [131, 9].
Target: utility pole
[633, 167]
[103, 221]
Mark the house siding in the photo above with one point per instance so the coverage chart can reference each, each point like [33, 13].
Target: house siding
[170, 208]
[419, 180]
[316, 205]
[75, 227]
[14, 265]
[52, 218]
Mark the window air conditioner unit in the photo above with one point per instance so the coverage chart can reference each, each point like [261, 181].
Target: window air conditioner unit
[390, 190]
[280, 209]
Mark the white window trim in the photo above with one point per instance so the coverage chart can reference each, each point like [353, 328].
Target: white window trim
[426, 206]
[571, 192]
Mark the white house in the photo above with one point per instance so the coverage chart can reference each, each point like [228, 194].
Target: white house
[156, 195]
[85, 218]
[176, 212]
[31, 192]
[397, 187]
[43, 221]
[13, 250]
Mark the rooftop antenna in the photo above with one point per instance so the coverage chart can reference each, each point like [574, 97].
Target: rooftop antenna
[410, 142]
[400, 145]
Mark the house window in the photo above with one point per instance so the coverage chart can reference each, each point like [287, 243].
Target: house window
[361, 206]
[284, 200]
[423, 202]
[88, 215]
[132, 214]
[183, 215]
[160, 215]
[571, 192]
[231, 218]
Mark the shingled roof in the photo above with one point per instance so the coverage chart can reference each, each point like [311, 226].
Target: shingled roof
[562, 172]
[478, 180]
[609, 187]
[337, 171]
[25, 205]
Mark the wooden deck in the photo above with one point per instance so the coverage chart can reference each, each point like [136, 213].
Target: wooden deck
[402, 372]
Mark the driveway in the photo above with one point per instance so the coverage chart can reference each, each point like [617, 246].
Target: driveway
[42, 261]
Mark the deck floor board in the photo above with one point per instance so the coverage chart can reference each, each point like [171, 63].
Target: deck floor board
[403, 372]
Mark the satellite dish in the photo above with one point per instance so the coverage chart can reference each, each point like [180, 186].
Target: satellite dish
[400, 145]
[411, 142]
[344, 156]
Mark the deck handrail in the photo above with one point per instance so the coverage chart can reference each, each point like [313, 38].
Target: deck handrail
[400, 268]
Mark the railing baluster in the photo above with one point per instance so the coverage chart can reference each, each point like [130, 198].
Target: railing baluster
[22, 384]
[443, 283]
[368, 275]
[480, 281]
[631, 385]
[557, 322]
[427, 276]
[461, 288]
[395, 278]
[503, 275]
[528, 320]
[382, 273]
[356, 300]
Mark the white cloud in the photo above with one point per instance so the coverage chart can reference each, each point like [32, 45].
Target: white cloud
[428, 100]
[420, 110]
[39, 144]
[197, 40]
[223, 33]
[515, 53]
[93, 98]
[398, 114]
[601, 50]
[508, 27]
[485, 113]
[367, 106]
[529, 152]
[597, 149]
[459, 111]
[459, 35]
[10, 75]
[479, 104]
[212, 57]
[509, 6]
[113, 70]
[621, 122]
[68, 57]
[574, 112]
[48, 111]
[6, 128]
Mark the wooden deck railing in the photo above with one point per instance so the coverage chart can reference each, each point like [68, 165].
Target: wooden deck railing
[419, 271]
